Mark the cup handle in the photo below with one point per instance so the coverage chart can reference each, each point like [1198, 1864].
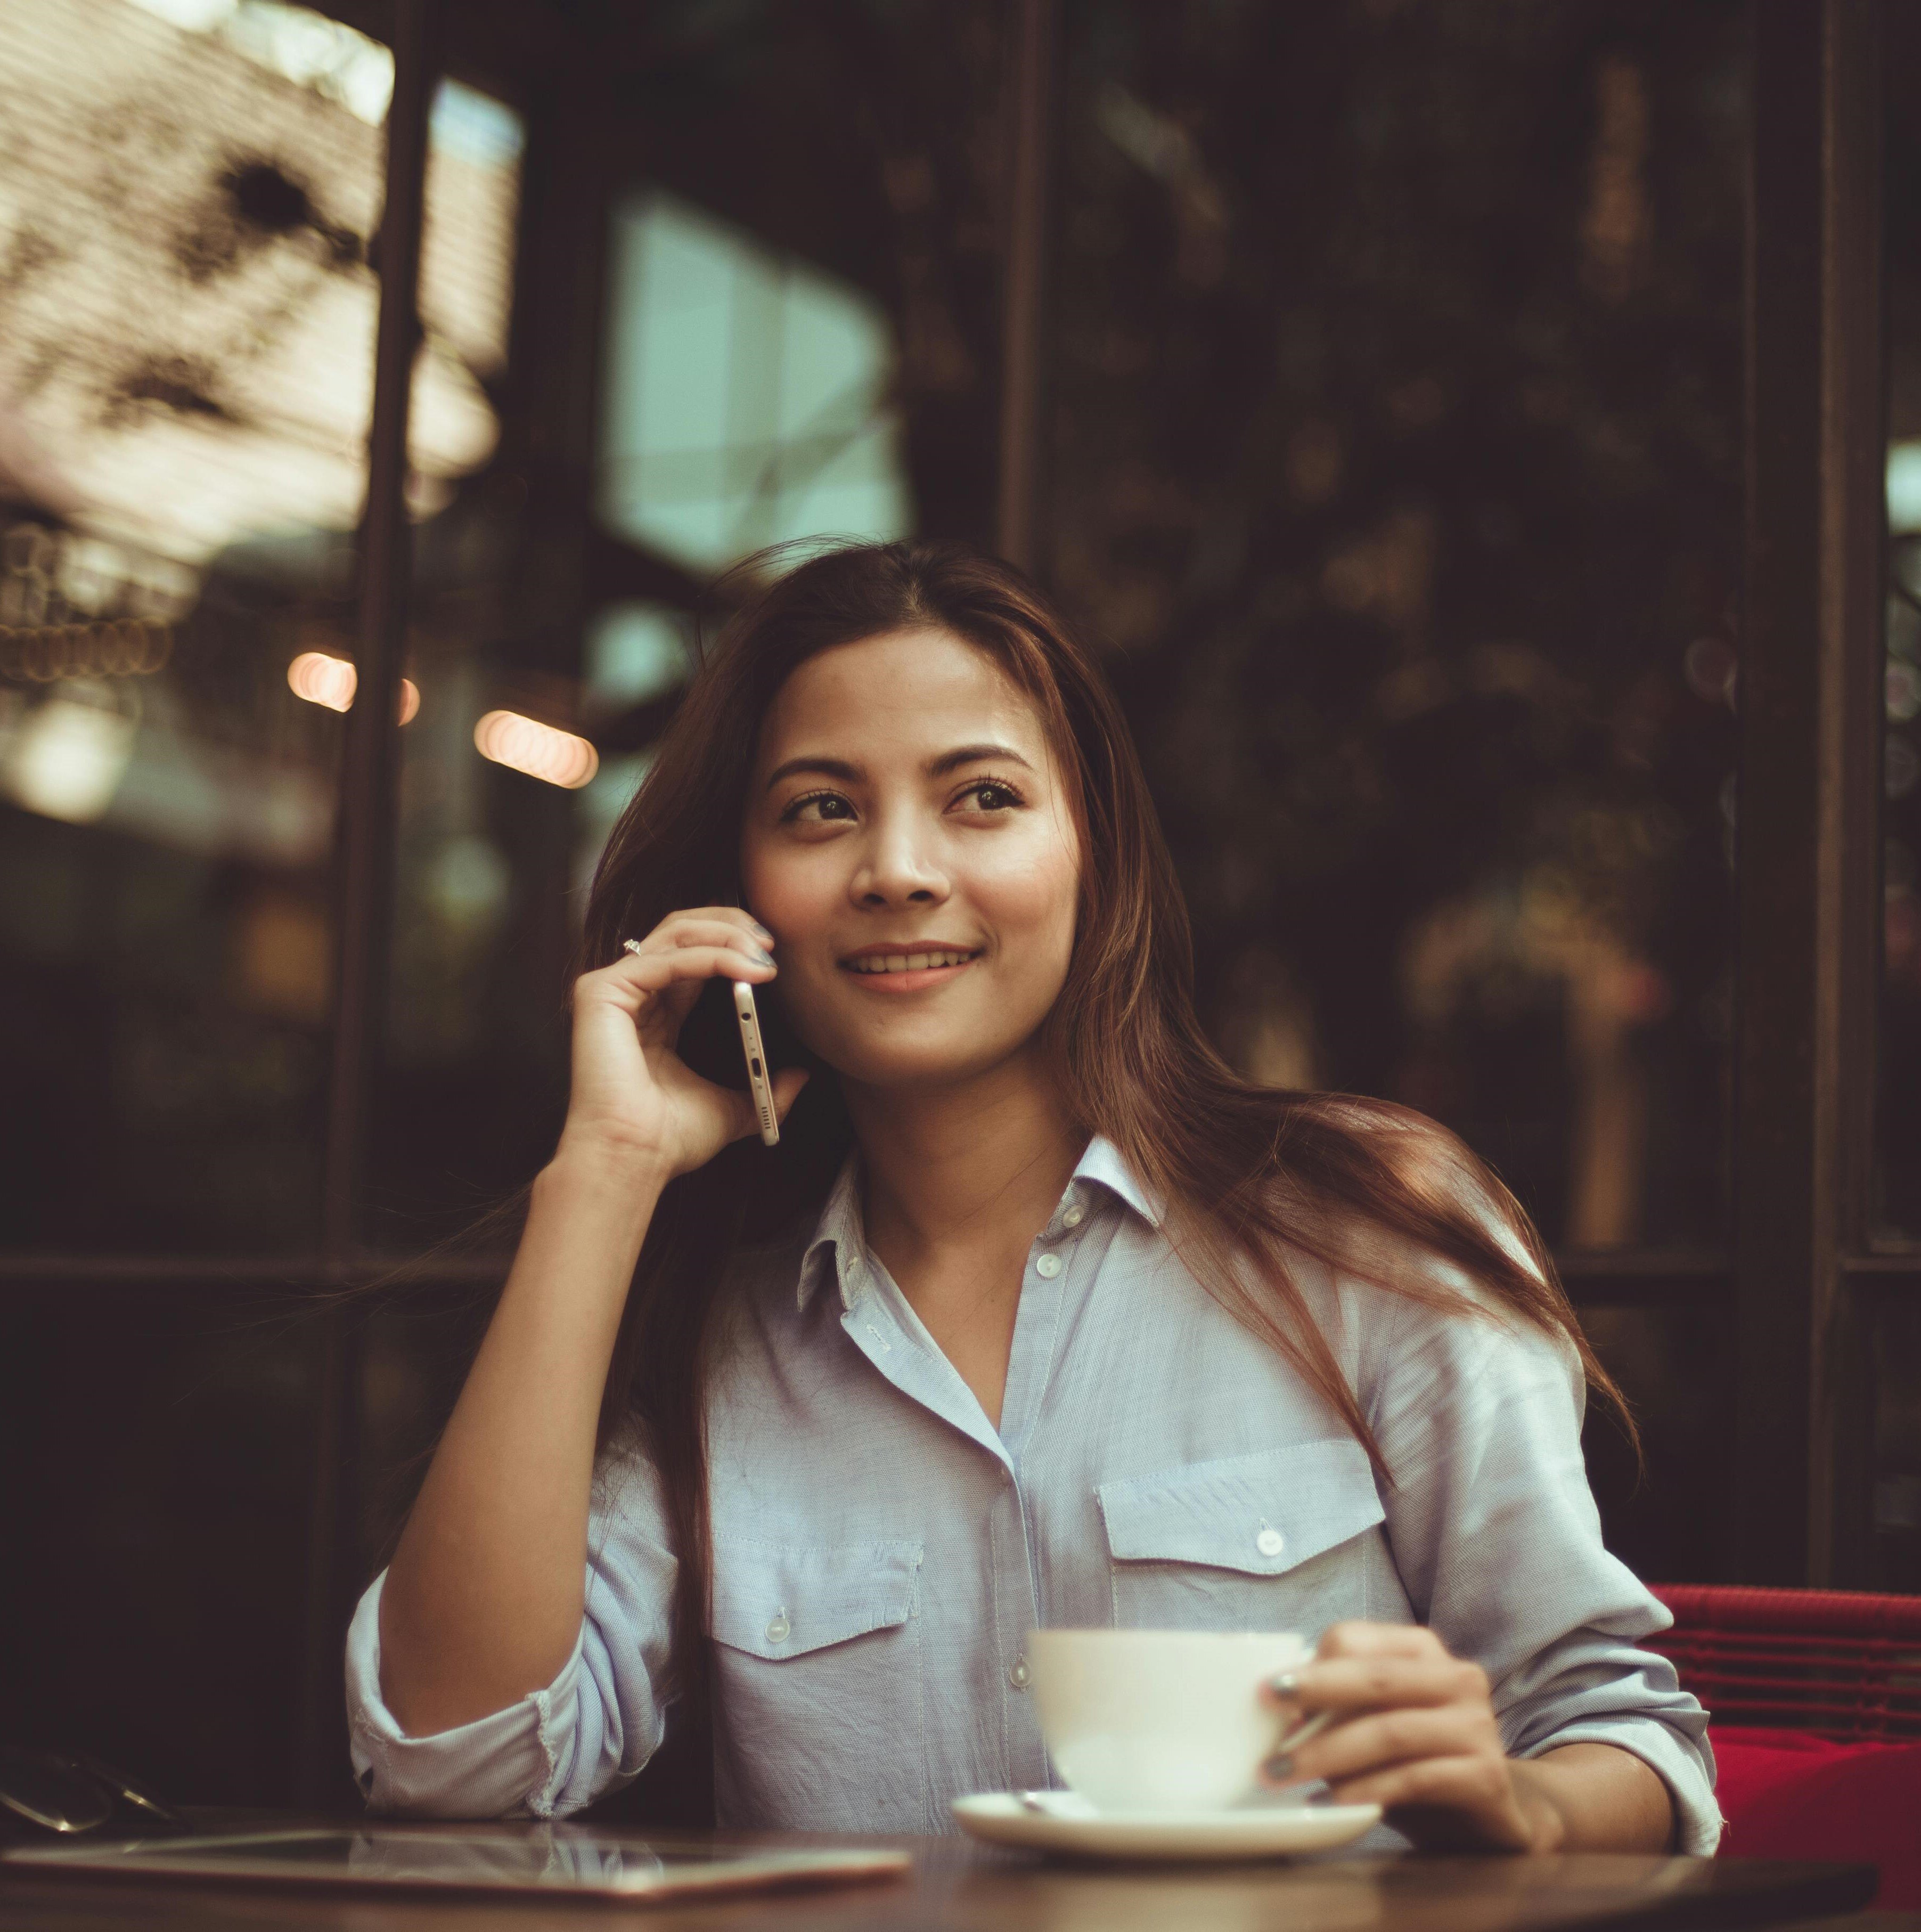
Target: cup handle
[1309, 1727]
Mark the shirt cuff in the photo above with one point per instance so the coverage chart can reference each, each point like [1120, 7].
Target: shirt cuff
[1686, 1767]
[511, 1764]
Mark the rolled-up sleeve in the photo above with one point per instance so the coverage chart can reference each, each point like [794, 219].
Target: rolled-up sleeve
[585, 1734]
[1495, 1533]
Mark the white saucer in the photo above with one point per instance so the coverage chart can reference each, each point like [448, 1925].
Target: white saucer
[1067, 1823]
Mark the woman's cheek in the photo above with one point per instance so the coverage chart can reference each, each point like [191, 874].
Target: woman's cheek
[1033, 896]
[790, 897]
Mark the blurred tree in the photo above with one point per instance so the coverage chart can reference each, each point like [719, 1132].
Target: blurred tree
[1397, 455]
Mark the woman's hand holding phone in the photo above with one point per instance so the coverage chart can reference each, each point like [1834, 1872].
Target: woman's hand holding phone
[483, 1597]
[631, 1093]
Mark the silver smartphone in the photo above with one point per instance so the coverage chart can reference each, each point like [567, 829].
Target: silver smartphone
[757, 1064]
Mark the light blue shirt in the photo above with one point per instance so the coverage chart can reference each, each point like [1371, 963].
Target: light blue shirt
[881, 1550]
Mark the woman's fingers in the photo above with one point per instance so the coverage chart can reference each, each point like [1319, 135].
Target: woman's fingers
[1414, 1731]
[1355, 1638]
[685, 949]
[1475, 1789]
[643, 973]
[628, 1015]
[1369, 1744]
[787, 1090]
[721, 926]
[655, 991]
[745, 1120]
[1359, 1667]
[1376, 1683]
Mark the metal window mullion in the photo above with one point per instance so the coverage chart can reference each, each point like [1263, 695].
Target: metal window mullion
[364, 876]
[1808, 829]
[1853, 598]
[1854, 590]
[1019, 520]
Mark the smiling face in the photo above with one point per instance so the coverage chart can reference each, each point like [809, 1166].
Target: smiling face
[908, 841]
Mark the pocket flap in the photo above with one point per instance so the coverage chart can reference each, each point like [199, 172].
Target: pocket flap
[777, 1600]
[1261, 1514]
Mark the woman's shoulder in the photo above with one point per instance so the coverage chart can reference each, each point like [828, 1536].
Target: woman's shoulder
[627, 1483]
[1408, 1282]
[1419, 1201]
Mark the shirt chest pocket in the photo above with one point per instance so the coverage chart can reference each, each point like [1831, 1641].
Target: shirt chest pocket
[1268, 1541]
[819, 1681]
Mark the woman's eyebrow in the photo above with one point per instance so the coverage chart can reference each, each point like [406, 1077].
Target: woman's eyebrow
[817, 765]
[820, 767]
[975, 754]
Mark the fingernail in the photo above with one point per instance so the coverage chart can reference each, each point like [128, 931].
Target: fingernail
[1278, 1767]
[763, 932]
[1283, 1684]
[765, 958]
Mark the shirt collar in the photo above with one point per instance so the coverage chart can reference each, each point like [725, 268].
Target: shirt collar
[839, 1241]
[1104, 1164]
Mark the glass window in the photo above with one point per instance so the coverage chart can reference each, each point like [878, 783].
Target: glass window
[798, 336]
[803, 285]
[465, 1038]
[1671, 1362]
[158, 1444]
[747, 395]
[187, 193]
[1399, 459]
[1896, 1208]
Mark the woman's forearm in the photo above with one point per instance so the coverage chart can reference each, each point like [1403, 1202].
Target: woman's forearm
[483, 1600]
[1595, 1798]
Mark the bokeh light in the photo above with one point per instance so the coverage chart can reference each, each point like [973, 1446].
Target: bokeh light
[68, 760]
[525, 745]
[322, 679]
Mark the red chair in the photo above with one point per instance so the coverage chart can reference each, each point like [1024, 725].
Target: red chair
[1815, 1697]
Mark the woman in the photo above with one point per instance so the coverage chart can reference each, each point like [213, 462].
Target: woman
[1038, 1316]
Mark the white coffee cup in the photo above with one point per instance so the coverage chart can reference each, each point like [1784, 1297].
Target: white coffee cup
[1164, 1721]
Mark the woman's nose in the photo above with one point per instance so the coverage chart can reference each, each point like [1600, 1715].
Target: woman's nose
[895, 871]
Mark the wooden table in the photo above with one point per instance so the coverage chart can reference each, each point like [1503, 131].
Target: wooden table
[957, 1887]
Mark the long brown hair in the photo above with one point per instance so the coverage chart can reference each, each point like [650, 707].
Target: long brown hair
[1250, 1175]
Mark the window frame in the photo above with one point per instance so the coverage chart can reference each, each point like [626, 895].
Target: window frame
[1808, 887]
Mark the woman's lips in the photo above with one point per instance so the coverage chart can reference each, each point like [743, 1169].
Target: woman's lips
[909, 971]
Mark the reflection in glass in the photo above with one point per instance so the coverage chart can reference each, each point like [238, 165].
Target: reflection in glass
[1896, 1207]
[187, 330]
[1895, 1338]
[456, 1076]
[1399, 457]
[747, 394]
[798, 315]
[185, 336]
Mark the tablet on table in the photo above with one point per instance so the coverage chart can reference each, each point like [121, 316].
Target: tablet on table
[576, 1860]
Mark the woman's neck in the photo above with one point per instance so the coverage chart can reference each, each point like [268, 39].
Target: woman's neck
[944, 1166]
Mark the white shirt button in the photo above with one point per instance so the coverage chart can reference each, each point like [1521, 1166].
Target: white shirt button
[1073, 1216]
[1047, 1267]
[1019, 1675]
[779, 1629]
[1270, 1543]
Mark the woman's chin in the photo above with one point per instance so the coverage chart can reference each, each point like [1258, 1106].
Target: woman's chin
[896, 1066]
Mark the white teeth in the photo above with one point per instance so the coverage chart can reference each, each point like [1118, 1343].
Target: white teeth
[909, 962]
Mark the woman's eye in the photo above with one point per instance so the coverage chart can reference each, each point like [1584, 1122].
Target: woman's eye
[992, 797]
[818, 808]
